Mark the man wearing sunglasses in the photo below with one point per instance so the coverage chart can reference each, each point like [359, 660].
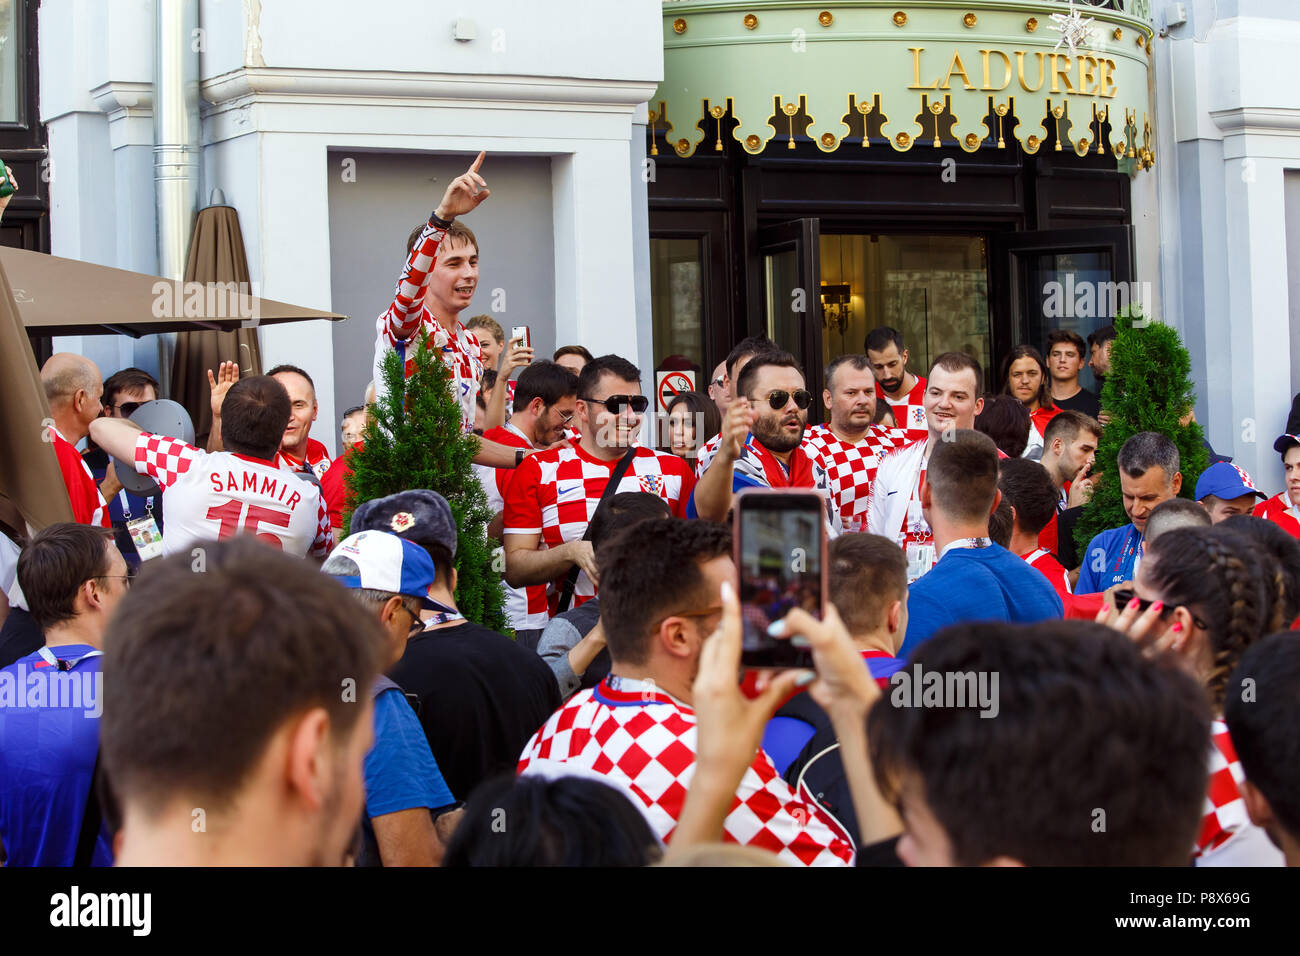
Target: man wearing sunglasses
[555, 493]
[124, 392]
[762, 435]
[546, 402]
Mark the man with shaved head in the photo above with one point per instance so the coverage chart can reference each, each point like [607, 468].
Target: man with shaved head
[74, 387]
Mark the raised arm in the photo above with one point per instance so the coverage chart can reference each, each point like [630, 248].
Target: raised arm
[117, 437]
[713, 491]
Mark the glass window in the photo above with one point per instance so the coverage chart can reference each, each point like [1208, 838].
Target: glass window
[1072, 291]
[677, 299]
[11, 62]
[933, 289]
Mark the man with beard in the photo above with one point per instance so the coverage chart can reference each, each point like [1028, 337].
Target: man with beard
[904, 391]
[850, 447]
[761, 438]
[952, 400]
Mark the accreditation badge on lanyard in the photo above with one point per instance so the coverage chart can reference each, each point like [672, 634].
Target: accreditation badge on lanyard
[144, 531]
[918, 541]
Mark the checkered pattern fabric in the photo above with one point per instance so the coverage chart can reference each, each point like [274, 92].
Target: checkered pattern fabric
[851, 468]
[212, 496]
[407, 322]
[707, 452]
[644, 741]
[318, 459]
[88, 505]
[555, 493]
[909, 411]
[1225, 810]
[526, 607]
[1279, 510]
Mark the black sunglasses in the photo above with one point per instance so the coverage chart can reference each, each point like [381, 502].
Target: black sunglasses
[720, 381]
[616, 403]
[126, 408]
[1125, 596]
[778, 398]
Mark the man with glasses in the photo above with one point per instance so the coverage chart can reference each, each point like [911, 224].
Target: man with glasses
[762, 435]
[51, 698]
[405, 790]
[124, 392]
[720, 387]
[554, 494]
[546, 400]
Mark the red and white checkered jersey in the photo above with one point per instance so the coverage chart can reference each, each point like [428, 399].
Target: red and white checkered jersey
[555, 493]
[407, 322]
[644, 741]
[1281, 512]
[211, 495]
[707, 452]
[318, 459]
[909, 411]
[851, 468]
[88, 505]
[1226, 821]
[526, 607]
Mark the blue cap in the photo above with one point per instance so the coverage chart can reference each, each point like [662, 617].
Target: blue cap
[1227, 481]
[390, 563]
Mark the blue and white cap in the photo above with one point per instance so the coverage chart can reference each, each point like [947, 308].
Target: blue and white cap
[388, 563]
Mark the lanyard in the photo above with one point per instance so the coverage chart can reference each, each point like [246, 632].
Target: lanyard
[1033, 556]
[47, 655]
[126, 505]
[1129, 548]
[967, 543]
[915, 496]
[442, 617]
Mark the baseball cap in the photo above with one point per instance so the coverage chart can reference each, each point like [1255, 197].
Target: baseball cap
[1286, 442]
[418, 515]
[386, 562]
[1226, 481]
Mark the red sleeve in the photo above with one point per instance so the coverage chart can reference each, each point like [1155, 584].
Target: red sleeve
[334, 491]
[403, 317]
[523, 512]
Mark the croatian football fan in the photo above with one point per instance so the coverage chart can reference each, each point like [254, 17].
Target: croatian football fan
[1263, 732]
[555, 494]
[481, 695]
[850, 447]
[124, 392]
[211, 495]
[1119, 730]
[298, 450]
[1069, 452]
[659, 604]
[743, 351]
[546, 399]
[391, 578]
[353, 426]
[900, 388]
[435, 287]
[762, 440]
[974, 578]
[74, 387]
[1148, 474]
[51, 699]
[952, 400]
[1174, 513]
[1284, 507]
[1032, 494]
[1066, 357]
[1225, 490]
[1024, 376]
[720, 388]
[273, 644]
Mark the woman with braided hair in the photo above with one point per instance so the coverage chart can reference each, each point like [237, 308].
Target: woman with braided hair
[1200, 599]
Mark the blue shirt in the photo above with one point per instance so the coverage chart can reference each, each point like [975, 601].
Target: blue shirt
[977, 584]
[400, 771]
[1109, 559]
[47, 757]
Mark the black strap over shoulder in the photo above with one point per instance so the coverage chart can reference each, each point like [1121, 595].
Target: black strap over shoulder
[611, 488]
[90, 821]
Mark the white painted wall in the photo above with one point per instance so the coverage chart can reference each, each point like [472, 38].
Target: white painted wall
[285, 82]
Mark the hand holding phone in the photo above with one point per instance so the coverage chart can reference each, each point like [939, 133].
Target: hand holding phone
[779, 538]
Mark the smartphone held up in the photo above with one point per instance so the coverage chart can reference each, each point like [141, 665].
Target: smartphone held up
[779, 537]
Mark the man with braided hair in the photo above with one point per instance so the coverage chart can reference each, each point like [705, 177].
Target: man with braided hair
[1199, 596]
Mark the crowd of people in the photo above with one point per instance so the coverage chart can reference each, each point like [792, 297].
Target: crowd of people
[216, 671]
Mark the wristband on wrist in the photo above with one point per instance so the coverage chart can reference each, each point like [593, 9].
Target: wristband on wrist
[436, 220]
[520, 455]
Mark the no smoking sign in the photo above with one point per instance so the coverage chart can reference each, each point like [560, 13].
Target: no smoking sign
[669, 384]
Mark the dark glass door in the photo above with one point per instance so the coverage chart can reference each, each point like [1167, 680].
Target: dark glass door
[790, 301]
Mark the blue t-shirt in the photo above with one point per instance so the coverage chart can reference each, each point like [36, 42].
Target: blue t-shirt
[977, 584]
[1109, 559]
[49, 737]
[400, 771]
